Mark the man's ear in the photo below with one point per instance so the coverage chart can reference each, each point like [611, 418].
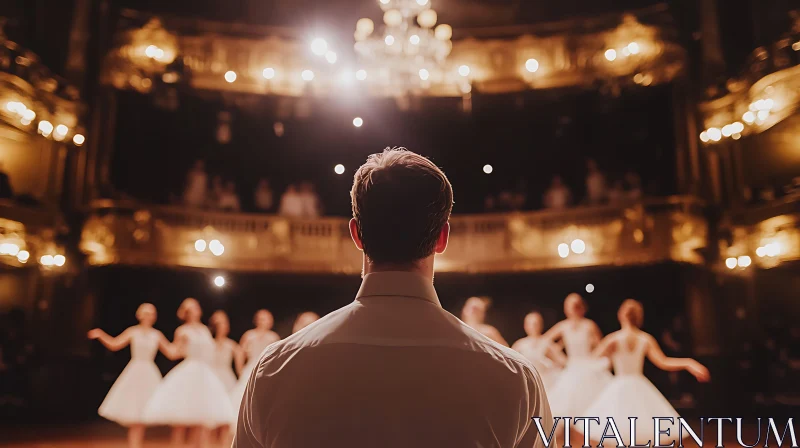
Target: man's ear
[354, 234]
[444, 237]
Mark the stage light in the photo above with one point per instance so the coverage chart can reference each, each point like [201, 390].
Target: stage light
[532, 65]
[361, 75]
[358, 122]
[307, 75]
[563, 250]
[59, 260]
[743, 261]
[422, 2]
[704, 136]
[763, 115]
[730, 263]
[268, 73]
[761, 251]
[772, 249]
[216, 247]
[219, 281]
[200, 245]
[392, 18]
[414, 39]
[633, 48]
[230, 76]
[365, 26]
[151, 51]
[45, 128]
[319, 46]
[385, 2]
[9, 249]
[589, 288]
[23, 256]
[46, 260]
[28, 115]
[714, 134]
[389, 40]
[330, 57]
[578, 246]
[488, 169]
[727, 131]
[749, 117]
[424, 74]
[463, 70]
[443, 32]
[78, 139]
[611, 54]
[427, 18]
[338, 169]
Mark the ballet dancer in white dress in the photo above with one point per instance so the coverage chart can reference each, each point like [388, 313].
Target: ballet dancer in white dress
[191, 395]
[303, 320]
[546, 356]
[129, 395]
[227, 352]
[253, 342]
[630, 393]
[474, 315]
[584, 376]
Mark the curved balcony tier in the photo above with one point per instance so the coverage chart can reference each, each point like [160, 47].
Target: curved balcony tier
[654, 231]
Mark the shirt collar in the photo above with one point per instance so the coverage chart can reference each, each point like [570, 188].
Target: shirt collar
[398, 284]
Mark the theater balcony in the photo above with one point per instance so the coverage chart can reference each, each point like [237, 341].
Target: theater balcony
[654, 231]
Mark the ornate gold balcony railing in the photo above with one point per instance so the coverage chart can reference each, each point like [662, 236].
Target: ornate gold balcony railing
[767, 236]
[654, 231]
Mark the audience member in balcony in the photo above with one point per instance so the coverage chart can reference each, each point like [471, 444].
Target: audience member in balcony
[229, 200]
[215, 193]
[557, 195]
[617, 193]
[6, 192]
[291, 203]
[595, 184]
[310, 200]
[634, 182]
[263, 198]
[474, 315]
[194, 194]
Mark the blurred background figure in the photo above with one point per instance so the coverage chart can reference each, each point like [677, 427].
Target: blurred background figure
[557, 195]
[263, 199]
[474, 315]
[292, 205]
[595, 184]
[194, 194]
[229, 200]
[303, 320]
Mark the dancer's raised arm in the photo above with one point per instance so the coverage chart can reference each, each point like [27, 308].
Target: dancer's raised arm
[114, 344]
[664, 362]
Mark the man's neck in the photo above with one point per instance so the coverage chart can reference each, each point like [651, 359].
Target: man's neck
[423, 267]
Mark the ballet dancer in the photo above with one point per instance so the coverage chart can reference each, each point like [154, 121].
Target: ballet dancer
[130, 393]
[227, 352]
[544, 355]
[474, 315]
[579, 335]
[253, 342]
[630, 393]
[304, 320]
[191, 396]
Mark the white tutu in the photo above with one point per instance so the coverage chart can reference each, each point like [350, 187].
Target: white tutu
[237, 393]
[581, 381]
[128, 397]
[226, 377]
[190, 395]
[631, 396]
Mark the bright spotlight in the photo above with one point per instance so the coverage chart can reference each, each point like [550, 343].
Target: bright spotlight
[488, 169]
[714, 134]
[422, 2]
[319, 46]
[46, 260]
[216, 247]
[331, 57]
[589, 288]
[730, 262]
[200, 245]
[268, 73]
[78, 139]
[361, 75]
[611, 54]
[634, 48]
[563, 250]
[704, 136]
[761, 251]
[749, 117]
[23, 256]
[532, 65]
[463, 70]
[389, 40]
[414, 39]
[230, 76]
[743, 261]
[45, 128]
[307, 75]
[424, 74]
[358, 122]
[772, 249]
[59, 260]
[338, 169]
[578, 246]
[219, 281]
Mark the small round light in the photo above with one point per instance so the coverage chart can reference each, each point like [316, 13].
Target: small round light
[761, 251]
[424, 74]
[330, 57]
[200, 245]
[46, 260]
[9, 249]
[749, 117]
[392, 18]
[268, 73]
[443, 32]
[704, 137]
[230, 76]
[737, 127]
[389, 40]
[422, 2]
[578, 246]
[338, 169]
[78, 139]
[563, 250]
[23, 256]
[319, 46]
[763, 114]
[772, 249]
[589, 288]
[427, 19]
[61, 130]
[463, 70]
[59, 260]
[532, 65]
[365, 26]
[488, 169]
[216, 247]
[358, 122]
[307, 75]
[414, 39]
[730, 263]
[45, 128]
[361, 75]
[743, 261]
[28, 115]
[611, 54]
[634, 48]
[727, 131]
[219, 281]
[769, 103]
[714, 134]
[385, 2]
[151, 51]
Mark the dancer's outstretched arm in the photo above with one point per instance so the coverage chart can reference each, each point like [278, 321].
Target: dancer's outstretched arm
[554, 334]
[172, 350]
[664, 362]
[114, 344]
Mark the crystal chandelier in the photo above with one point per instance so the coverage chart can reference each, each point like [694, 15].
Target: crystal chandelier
[409, 51]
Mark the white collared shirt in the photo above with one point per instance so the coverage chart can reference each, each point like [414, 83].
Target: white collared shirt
[392, 369]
